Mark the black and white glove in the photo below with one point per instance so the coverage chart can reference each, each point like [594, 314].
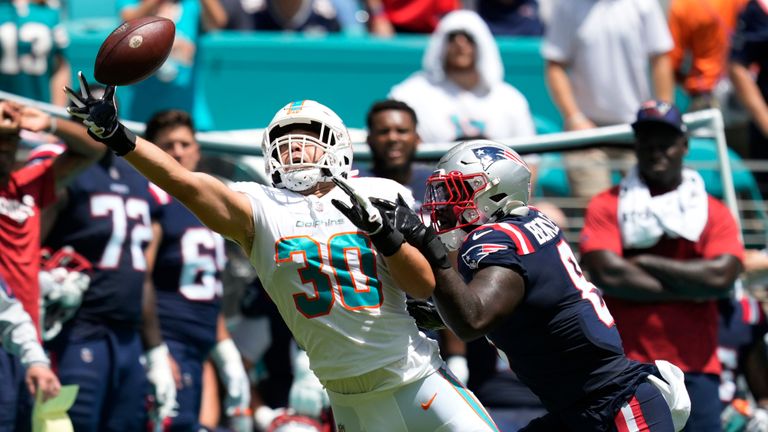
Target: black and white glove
[425, 314]
[366, 217]
[100, 116]
[418, 235]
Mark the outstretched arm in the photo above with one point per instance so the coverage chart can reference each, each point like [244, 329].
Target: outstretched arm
[218, 207]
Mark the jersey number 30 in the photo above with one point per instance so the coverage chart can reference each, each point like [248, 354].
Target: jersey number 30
[341, 248]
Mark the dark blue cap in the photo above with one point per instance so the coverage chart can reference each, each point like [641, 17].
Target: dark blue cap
[658, 112]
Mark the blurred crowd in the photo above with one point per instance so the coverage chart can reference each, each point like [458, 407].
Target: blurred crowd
[119, 288]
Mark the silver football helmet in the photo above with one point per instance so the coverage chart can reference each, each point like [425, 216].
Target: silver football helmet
[298, 161]
[476, 182]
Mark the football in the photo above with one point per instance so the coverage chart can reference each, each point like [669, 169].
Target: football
[134, 50]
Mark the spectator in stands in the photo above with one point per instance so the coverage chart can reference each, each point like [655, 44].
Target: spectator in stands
[20, 339]
[664, 251]
[309, 16]
[460, 92]
[598, 54]
[393, 139]
[33, 41]
[24, 193]
[185, 269]
[743, 356]
[388, 17]
[748, 52]
[701, 31]
[172, 86]
[510, 17]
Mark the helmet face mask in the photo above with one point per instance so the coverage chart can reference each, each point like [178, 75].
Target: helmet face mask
[450, 199]
[306, 143]
[476, 182]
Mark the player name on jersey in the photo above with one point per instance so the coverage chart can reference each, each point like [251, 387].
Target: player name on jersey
[543, 229]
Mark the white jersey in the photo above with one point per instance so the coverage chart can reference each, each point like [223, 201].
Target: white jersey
[332, 289]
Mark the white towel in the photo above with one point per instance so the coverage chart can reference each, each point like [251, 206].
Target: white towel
[644, 219]
[672, 389]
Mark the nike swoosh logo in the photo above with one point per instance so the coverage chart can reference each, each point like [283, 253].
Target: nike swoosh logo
[476, 236]
[425, 405]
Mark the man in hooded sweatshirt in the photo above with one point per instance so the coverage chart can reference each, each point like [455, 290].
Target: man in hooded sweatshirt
[460, 91]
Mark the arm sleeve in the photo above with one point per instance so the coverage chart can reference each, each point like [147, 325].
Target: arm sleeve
[601, 227]
[655, 29]
[18, 332]
[559, 38]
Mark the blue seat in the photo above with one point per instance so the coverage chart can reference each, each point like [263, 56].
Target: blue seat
[86, 9]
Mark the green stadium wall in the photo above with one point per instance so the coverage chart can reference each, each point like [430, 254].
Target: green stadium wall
[245, 77]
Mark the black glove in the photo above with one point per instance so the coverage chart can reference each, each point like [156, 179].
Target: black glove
[100, 116]
[425, 314]
[417, 234]
[366, 217]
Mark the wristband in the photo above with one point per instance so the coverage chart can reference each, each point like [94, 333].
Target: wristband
[122, 141]
[434, 251]
[387, 240]
[52, 125]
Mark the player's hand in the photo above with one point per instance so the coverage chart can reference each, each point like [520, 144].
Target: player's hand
[10, 117]
[100, 116]
[418, 235]
[228, 362]
[40, 376]
[160, 376]
[307, 395]
[758, 422]
[425, 314]
[32, 119]
[366, 217]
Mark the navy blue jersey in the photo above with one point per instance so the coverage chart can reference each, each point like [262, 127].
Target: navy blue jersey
[561, 340]
[187, 275]
[107, 219]
[741, 325]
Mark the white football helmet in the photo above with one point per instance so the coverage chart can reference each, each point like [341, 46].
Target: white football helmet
[331, 153]
[476, 182]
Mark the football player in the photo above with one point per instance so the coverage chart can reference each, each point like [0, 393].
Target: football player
[336, 294]
[186, 271]
[519, 284]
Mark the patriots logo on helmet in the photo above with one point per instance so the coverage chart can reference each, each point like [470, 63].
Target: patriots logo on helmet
[475, 254]
[489, 155]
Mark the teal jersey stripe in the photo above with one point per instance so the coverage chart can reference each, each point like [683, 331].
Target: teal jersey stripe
[468, 397]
